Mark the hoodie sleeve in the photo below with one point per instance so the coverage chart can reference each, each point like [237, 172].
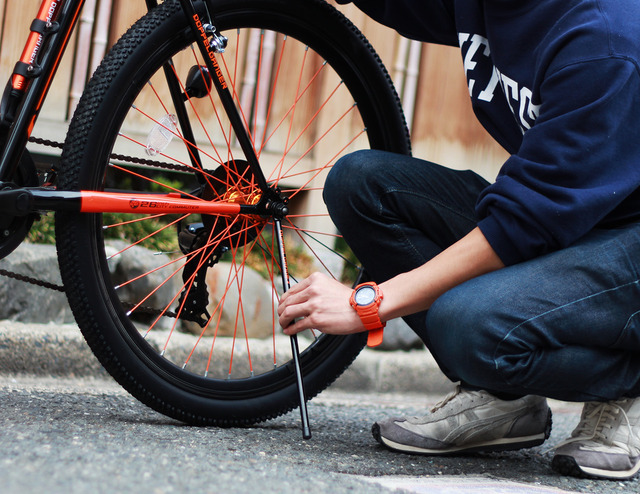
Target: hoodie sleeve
[424, 20]
[576, 165]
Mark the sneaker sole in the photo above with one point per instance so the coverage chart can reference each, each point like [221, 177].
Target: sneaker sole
[567, 465]
[502, 444]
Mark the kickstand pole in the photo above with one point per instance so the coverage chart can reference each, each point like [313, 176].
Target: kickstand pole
[306, 430]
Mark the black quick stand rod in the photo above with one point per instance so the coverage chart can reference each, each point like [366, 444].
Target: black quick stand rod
[306, 430]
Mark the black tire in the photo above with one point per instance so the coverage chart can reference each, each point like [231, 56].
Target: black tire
[121, 337]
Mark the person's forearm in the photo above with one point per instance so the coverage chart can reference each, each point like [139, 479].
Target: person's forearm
[416, 290]
[322, 303]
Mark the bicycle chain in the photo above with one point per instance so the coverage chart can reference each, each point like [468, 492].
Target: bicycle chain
[60, 288]
[33, 281]
[121, 157]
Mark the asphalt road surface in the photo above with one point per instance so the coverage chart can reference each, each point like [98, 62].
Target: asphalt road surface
[77, 436]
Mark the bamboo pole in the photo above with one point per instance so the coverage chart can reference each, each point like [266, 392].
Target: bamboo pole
[400, 65]
[264, 86]
[82, 54]
[101, 34]
[249, 79]
[410, 88]
[15, 30]
[2, 16]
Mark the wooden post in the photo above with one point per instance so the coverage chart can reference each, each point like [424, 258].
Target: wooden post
[83, 52]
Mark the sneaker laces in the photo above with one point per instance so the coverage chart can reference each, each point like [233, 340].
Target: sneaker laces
[597, 427]
[455, 394]
[451, 398]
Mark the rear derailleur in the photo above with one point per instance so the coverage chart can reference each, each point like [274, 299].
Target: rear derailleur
[194, 298]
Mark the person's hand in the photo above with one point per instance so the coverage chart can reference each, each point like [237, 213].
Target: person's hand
[318, 302]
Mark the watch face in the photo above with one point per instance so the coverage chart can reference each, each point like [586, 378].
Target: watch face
[365, 295]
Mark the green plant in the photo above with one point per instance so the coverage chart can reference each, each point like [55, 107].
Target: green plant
[161, 238]
[43, 230]
[158, 235]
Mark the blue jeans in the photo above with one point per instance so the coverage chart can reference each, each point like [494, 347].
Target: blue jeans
[565, 325]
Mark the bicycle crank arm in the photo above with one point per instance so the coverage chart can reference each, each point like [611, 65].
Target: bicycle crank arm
[24, 201]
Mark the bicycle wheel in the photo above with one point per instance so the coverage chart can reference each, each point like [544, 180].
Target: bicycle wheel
[195, 334]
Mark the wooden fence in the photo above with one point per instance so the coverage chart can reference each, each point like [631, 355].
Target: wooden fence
[429, 79]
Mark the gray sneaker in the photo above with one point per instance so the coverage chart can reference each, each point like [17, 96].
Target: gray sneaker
[467, 421]
[605, 444]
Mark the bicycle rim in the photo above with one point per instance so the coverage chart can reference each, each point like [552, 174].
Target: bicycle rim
[193, 330]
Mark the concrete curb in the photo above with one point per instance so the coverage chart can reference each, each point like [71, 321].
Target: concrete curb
[60, 350]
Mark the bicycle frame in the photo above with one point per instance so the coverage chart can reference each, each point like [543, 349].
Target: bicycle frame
[32, 77]
[23, 99]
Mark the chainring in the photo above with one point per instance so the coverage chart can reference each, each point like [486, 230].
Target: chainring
[14, 229]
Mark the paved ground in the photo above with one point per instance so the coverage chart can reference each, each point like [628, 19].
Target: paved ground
[87, 435]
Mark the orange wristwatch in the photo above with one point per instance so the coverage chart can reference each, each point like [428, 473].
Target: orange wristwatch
[366, 299]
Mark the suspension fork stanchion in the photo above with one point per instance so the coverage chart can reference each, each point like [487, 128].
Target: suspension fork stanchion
[208, 53]
[306, 430]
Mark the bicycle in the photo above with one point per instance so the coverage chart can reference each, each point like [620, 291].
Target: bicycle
[204, 137]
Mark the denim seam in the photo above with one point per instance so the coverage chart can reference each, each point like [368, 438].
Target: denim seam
[508, 335]
[626, 326]
[430, 198]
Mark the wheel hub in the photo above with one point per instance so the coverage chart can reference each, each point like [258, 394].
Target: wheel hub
[232, 182]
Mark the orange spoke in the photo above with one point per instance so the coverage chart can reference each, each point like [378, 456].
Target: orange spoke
[239, 106]
[285, 175]
[150, 294]
[270, 266]
[272, 97]
[296, 101]
[158, 98]
[135, 220]
[331, 160]
[191, 280]
[309, 123]
[204, 128]
[147, 237]
[186, 256]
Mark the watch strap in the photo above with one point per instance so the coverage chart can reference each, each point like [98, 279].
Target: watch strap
[370, 318]
[374, 338]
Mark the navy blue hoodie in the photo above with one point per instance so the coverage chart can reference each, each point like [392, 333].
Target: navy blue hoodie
[556, 83]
